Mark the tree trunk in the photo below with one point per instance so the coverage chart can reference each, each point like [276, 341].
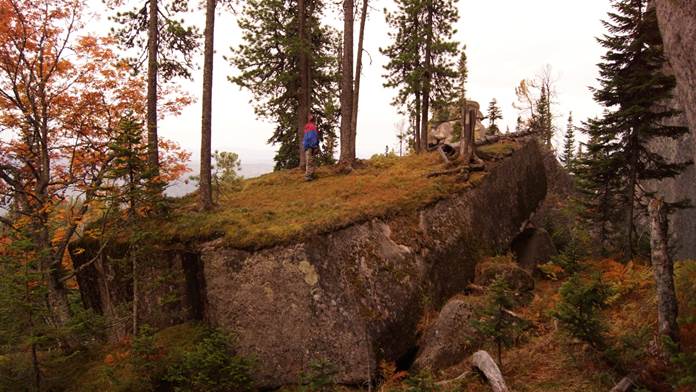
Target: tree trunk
[303, 92]
[626, 384]
[205, 184]
[466, 142]
[36, 367]
[34, 356]
[483, 361]
[152, 45]
[427, 77]
[628, 253]
[347, 144]
[57, 296]
[134, 266]
[358, 73]
[663, 268]
[416, 122]
[605, 214]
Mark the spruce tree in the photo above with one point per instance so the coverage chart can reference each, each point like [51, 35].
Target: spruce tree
[634, 88]
[268, 63]
[404, 67]
[542, 121]
[568, 155]
[519, 125]
[130, 172]
[495, 320]
[494, 114]
[597, 174]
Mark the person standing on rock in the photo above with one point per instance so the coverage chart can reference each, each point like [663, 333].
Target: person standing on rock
[311, 146]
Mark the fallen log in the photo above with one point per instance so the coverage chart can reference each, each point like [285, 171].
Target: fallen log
[483, 362]
[626, 384]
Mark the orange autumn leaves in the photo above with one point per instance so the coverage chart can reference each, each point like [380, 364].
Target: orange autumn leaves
[63, 94]
[74, 85]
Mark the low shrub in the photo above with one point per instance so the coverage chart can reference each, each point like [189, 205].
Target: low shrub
[211, 366]
[422, 381]
[579, 310]
[320, 377]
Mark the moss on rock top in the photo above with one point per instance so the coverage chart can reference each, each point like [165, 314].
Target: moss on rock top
[280, 207]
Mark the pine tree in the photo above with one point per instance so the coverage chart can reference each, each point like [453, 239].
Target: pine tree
[268, 63]
[568, 156]
[358, 71]
[422, 58]
[467, 152]
[347, 87]
[459, 87]
[163, 45]
[23, 304]
[494, 114]
[205, 192]
[633, 88]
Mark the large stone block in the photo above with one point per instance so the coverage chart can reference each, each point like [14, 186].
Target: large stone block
[355, 296]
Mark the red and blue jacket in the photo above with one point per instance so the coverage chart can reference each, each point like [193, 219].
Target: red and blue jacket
[311, 136]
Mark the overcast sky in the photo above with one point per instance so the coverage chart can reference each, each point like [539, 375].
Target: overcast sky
[507, 40]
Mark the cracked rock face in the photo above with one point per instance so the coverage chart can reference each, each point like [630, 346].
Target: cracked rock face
[355, 296]
[677, 20]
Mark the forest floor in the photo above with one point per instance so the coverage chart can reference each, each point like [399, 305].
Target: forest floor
[544, 359]
[281, 206]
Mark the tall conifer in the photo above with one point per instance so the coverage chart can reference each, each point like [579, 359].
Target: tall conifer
[422, 58]
[494, 114]
[634, 88]
[568, 155]
[268, 63]
[161, 44]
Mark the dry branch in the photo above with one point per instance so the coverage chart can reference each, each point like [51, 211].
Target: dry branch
[483, 362]
[626, 384]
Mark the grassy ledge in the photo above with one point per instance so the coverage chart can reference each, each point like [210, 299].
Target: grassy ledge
[280, 207]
